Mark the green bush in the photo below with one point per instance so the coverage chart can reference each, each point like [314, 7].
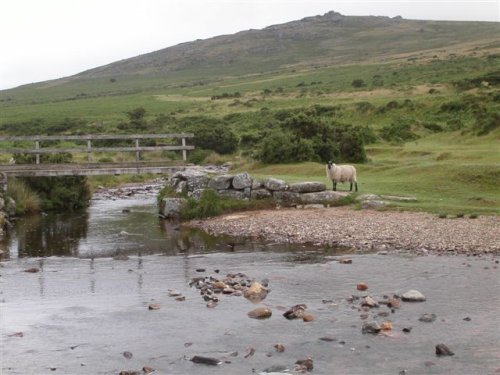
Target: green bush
[27, 201]
[358, 83]
[486, 123]
[398, 132]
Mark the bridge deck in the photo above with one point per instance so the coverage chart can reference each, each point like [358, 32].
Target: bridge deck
[88, 169]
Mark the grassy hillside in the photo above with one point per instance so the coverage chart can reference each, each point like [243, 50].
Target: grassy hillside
[426, 94]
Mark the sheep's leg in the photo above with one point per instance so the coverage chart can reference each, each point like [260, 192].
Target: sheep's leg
[356, 186]
[350, 188]
[334, 186]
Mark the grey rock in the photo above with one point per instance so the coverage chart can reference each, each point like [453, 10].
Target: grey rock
[321, 196]
[413, 296]
[295, 312]
[195, 179]
[256, 184]
[234, 194]
[428, 318]
[260, 194]
[187, 174]
[171, 207]
[367, 197]
[307, 187]
[180, 187]
[220, 182]
[286, 196]
[398, 199]
[197, 182]
[313, 206]
[374, 205]
[275, 184]
[242, 181]
[247, 192]
[2, 203]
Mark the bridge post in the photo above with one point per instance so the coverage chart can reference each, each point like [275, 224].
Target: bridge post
[37, 147]
[184, 156]
[89, 150]
[137, 153]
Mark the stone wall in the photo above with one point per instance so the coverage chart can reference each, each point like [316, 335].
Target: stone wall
[244, 186]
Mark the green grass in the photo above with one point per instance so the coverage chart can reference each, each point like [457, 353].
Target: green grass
[467, 182]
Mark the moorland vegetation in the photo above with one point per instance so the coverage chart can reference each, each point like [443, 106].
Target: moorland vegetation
[413, 104]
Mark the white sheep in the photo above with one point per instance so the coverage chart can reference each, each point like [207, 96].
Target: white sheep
[341, 173]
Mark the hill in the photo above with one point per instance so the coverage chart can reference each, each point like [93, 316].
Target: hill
[414, 103]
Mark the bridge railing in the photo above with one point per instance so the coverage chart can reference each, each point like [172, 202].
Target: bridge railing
[89, 149]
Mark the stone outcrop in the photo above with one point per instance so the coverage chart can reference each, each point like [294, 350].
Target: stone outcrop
[243, 186]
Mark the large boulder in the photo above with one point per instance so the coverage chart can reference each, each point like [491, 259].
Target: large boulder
[307, 187]
[242, 181]
[171, 207]
[286, 196]
[194, 179]
[373, 205]
[234, 194]
[220, 182]
[260, 194]
[321, 196]
[275, 184]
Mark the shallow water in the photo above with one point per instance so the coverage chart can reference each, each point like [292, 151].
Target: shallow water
[84, 309]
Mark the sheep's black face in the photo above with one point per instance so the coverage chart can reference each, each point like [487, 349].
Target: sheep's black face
[330, 164]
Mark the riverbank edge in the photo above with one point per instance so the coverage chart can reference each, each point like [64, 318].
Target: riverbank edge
[369, 230]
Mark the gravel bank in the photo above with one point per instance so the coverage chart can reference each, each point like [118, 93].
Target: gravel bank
[371, 230]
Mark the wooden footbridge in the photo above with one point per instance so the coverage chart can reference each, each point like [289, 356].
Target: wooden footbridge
[89, 167]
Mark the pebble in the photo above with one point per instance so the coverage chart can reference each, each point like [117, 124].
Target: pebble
[369, 302]
[128, 355]
[372, 327]
[305, 364]
[407, 329]
[362, 286]
[443, 350]
[154, 306]
[296, 312]
[308, 318]
[32, 270]
[413, 296]
[428, 318]
[280, 348]
[205, 360]
[260, 313]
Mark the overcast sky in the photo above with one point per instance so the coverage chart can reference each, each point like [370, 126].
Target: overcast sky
[48, 39]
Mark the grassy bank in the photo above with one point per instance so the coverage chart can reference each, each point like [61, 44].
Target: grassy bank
[445, 177]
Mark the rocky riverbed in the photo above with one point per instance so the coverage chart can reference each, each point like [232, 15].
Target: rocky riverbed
[366, 230]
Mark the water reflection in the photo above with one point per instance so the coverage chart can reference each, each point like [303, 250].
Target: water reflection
[47, 235]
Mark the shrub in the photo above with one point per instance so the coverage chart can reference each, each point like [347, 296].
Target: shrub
[398, 132]
[443, 216]
[358, 83]
[487, 123]
[198, 155]
[473, 216]
[435, 128]
[364, 107]
[27, 201]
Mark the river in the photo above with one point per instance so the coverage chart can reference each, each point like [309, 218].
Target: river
[86, 309]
